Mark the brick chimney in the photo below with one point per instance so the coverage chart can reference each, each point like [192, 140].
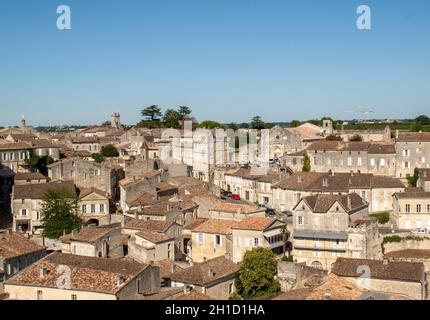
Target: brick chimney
[348, 201]
[43, 271]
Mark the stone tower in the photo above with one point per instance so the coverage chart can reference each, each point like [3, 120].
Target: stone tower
[115, 123]
[327, 127]
[23, 123]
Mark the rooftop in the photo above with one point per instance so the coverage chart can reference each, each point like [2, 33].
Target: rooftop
[14, 245]
[87, 273]
[205, 273]
[400, 271]
[38, 191]
[216, 226]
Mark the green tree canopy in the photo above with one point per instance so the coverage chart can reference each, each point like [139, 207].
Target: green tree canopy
[356, 137]
[413, 180]
[306, 163]
[333, 137]
[109, 151]
[171, 119]
[423, 120]
[209, 124]
[233, 126]
[295, 123]
[98, 157]
[39, 164]
[184, 111]
[416, 127]
[257, 274]
[59, 213]
[152, 113]
[257, 123]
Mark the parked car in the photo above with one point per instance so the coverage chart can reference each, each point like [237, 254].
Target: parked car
[421, 231]
[226, 193]
[235, 197]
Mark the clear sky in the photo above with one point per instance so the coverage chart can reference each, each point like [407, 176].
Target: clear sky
[228, 60]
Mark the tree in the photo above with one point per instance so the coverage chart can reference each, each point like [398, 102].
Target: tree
[257, 123]
[306, 163]
[333, 137]
[209, 124]
[257, 274]
[233, 126]
[59, 213]
[295, 123]
[149, 124]
[184, 111]
[152, 113]
[416, 127]
[412, 180]
[109, 151]
[171, 118]
[98, 157]
[39, 164]
[356, 137]
[423, 120]
[285, 234]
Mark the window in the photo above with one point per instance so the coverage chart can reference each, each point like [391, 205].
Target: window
[372, 162]
[39, 294]
[359, 162]
[217, 239]
[406, 153]
[363, 194]
[238, 241]
[230, 288]
[300, 220]
[382, 163]
[247, 195]
[102, 208]
[408, 208]
[93, 208]
[418, 208]
[428, 208]
[256, 242]
[406, 165]
[200, 238]
[24, 212]
[84, 208]
[349, 162]
[37, 215]
[74, 297]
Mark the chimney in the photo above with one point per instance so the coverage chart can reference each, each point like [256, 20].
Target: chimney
[348, 200]
[43, 271]
[327, 294]
[397, 134]
[187, 289]
[119, 279]
[172, 268]
[211, 273]
[325, 182]
[385, 262]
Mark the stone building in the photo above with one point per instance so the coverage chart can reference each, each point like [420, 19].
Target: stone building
[94, 205]
[17, 253]
[14, 155]
[359, 157]
[88, 174]
[27, 201]
[29, 178]
[406, 278]
[412, 151]
[211, 239]
[376, 190]
[214, 278]
[102, 242]
[411, 209]
[147, 246]
[269, 233]
[90, 278]
[424, 179]
[326, 227]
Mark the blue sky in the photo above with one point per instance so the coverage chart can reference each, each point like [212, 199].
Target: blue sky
[227, 60]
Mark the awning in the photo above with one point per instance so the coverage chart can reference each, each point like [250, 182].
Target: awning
[321, 235]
